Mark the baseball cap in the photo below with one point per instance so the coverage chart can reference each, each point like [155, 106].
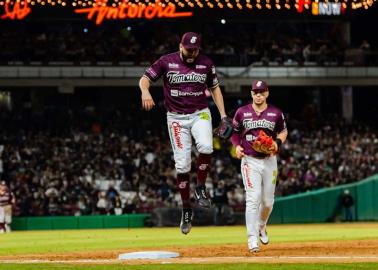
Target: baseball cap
[259, 86]
[191, 40]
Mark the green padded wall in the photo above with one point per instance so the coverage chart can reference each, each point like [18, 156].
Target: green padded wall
[80, 222]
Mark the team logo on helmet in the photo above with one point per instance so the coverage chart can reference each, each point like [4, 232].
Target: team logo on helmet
[258, 84]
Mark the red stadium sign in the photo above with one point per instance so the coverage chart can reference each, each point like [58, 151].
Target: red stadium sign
[132, 11]
[16, 12]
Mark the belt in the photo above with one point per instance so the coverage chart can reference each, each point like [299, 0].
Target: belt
[260, 157]
[183, 113]
[179, 112]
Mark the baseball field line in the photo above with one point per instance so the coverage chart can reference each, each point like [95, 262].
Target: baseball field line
[197, 260]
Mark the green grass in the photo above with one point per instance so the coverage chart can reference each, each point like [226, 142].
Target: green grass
[36, 242]
[68, 241]
[367, 266]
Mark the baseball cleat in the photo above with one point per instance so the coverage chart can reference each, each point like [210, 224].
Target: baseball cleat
[264, 237]
[254, 250]
[202, 197]
[253, 247]
[186, 220]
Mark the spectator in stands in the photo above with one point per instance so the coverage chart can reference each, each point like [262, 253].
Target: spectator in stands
[71, 171]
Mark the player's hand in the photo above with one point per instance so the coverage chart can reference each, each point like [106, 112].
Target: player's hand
[239, 152]
[273, 148]
[147, 101]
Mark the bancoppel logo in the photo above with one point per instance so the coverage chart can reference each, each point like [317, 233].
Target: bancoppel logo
[249, 137]
[174, 93]
[173, 65]
[178, 93]
[271, 114]
[191, 94]
[247, 114]
[200, 66]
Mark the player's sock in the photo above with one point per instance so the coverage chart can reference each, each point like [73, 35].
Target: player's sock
[2, 227]
[8, 228]
[183, 184]
[203, 167]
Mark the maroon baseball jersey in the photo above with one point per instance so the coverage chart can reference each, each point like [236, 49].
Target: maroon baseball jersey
[247, 125]
[184, 84]
[6, 197]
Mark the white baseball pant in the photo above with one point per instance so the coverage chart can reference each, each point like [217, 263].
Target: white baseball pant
[259, 179]
[181, 128]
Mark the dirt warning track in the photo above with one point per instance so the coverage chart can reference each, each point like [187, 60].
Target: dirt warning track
[296, 252]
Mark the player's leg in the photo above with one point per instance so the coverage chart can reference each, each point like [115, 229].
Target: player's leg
[181, 142]
[8, 217]
[251, 172]
[267, 196]
[203, 135]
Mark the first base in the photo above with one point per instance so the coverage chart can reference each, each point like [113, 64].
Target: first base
[152, 255]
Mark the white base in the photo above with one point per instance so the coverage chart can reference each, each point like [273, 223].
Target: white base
[148, 255]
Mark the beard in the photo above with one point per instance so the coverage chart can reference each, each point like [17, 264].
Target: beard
[189, 59]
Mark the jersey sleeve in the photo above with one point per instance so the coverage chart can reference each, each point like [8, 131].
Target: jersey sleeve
[156, 70]
[236, 124]
[281, 123]
[212, 78]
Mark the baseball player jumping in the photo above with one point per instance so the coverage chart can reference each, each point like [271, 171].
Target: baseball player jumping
[259, 131]
[186, 75]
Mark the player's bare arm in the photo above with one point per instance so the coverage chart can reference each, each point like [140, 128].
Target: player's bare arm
[147, 100]
[239, 152]
[218, 99]
[282, 137]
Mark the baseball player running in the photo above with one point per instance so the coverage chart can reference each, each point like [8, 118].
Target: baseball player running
[259, 131]
[186, 75]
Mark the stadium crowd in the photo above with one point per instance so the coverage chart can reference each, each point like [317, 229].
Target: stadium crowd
[261, 45]
[113, 164]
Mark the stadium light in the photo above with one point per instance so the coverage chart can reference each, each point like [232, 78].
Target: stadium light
[149, 9]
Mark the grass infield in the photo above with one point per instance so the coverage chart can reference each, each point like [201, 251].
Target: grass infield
[68, 241]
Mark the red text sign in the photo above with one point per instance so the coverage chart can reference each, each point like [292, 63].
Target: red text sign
[16, 12]
[131, 11]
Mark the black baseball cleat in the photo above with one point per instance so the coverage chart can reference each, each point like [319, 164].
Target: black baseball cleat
[203, 199]
[186, 220]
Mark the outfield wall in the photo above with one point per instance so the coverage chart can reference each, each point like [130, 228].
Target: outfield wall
[79, 222]
[324, 205]
[311, 207]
